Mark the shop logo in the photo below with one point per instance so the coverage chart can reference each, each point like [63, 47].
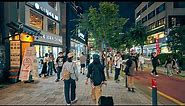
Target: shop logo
[46, 11]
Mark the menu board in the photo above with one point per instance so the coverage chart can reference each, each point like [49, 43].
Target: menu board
[15, 53]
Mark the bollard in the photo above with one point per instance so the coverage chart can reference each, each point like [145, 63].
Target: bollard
[154, 92]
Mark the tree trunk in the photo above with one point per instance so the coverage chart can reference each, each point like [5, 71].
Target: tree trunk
[142, 49]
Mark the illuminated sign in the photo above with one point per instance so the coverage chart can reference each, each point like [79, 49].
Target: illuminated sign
[49, 13]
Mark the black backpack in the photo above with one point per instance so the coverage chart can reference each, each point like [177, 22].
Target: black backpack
[105, 101]
[96, 75]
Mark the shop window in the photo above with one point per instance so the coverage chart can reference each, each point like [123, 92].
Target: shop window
[51, 26]
[160, 9]
[36, 20]
[151, 14]
[53, 5]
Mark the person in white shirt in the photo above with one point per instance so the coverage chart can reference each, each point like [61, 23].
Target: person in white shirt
[118, 61]
[141, 61]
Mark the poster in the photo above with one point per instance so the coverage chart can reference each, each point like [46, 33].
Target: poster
[15, 53]
[29, 65]
[157, 44]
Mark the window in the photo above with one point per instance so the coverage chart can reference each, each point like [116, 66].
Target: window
[160, 8]
[179, 4]
[36, 20]
[144, 8]
[144, 19]
[151, 14]
[150, 3]
[138, 14]
[51, 26]
[53, 4]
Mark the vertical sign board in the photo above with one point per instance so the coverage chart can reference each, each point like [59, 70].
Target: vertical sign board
[157, 44]
[29, 65]
[15, 53]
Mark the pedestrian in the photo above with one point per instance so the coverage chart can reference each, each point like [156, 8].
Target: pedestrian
[51, 66]
[118, 61]
[155, 63]
[168, 65]
[45, 65]
[175, 65]
[40, 67]
[70, 83]
[130, 71]
[59, 61]
[141, 62]
[97, 77]
[82, 63]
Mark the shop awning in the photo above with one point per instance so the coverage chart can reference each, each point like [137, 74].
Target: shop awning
[17, 26]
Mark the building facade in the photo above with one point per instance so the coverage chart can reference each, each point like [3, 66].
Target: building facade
[35, 18]
[159, 17]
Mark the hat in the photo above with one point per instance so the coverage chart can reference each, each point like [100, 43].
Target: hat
[70, 55]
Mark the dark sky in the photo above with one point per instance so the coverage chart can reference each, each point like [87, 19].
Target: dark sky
[126, 9]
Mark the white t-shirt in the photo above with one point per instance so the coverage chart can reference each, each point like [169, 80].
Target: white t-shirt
[141, 59]
[118, 62]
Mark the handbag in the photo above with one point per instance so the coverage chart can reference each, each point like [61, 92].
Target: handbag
[66, 74]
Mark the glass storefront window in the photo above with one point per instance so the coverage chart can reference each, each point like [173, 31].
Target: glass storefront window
[36, 20]
[51, 26]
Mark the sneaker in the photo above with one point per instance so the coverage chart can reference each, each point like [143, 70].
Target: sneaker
[157, 75]
[56, 80]
[74, 100]
[151, 73]
[68, 104]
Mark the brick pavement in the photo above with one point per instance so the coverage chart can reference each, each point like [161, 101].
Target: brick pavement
[48, 92]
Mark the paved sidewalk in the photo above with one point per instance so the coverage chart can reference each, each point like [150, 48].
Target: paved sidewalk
[48, 92]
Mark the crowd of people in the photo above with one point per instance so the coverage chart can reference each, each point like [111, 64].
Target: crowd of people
[66, 70]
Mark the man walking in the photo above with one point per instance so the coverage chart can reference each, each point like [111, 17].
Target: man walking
[118, 62]
[97, 76]
[60, 61]
[155, 63]
[82, 62]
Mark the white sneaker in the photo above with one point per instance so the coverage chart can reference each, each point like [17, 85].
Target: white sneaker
[74, 100]
[157, 75]
[68, 104]
[151, 73]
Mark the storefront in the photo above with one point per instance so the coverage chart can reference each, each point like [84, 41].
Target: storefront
[45, 16]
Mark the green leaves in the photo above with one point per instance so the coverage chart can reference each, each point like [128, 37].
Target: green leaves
[176, 39]
[104, 23]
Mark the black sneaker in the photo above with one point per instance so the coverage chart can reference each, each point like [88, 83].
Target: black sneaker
[133, 90]
[83, 74]
[129, 89]
[56, 80]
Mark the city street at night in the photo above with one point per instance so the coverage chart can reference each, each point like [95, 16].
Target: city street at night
[92, 53]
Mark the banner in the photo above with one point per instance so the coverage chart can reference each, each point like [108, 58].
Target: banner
[29, 65]
[157, 44]
[15, 53]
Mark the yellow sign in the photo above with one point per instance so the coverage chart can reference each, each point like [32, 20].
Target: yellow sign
[26, 38]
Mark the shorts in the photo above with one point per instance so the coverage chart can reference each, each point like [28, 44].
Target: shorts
[82, 65]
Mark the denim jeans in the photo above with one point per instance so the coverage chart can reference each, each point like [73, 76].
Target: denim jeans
[59, 69]
[69, 90]
[117, 72]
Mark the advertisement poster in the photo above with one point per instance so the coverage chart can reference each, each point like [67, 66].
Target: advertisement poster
[29, 65]
[15, 53]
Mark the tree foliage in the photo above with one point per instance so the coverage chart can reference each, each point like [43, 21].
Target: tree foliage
[104, 23]
[176, 39]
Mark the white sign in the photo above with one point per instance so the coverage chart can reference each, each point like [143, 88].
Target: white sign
[49, 13]
[29, 65]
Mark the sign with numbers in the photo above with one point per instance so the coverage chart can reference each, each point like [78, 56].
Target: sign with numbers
[15, 53]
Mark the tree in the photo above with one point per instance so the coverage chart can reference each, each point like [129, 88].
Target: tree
[104, 23]
[138, 35]
[176, 39]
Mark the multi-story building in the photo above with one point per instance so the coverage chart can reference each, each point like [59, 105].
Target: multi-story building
[34, 17]
[159, 17]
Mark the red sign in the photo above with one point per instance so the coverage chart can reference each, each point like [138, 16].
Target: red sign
[154, 83]
[157, 44]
